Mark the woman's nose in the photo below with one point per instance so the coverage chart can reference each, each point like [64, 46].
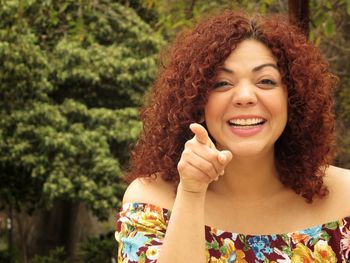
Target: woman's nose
[244, 95]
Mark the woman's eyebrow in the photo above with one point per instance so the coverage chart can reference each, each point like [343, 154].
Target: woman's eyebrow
[226, 69]
[265, 65]
[257, 68]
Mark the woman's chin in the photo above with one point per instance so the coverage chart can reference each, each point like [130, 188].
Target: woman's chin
[250, 149]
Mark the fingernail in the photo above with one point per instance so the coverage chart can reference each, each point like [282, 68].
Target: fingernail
[222, 173]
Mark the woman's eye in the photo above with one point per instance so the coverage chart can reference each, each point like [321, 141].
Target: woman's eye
[221, 84]
[268, 82]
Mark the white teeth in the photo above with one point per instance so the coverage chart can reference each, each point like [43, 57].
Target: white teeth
[252, 121]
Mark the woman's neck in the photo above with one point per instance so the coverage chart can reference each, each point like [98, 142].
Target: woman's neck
[249, 179]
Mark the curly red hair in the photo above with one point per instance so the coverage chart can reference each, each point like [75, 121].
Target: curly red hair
[180, 92]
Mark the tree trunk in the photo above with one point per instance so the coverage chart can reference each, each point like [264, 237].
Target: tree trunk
[64, 225]
[59, 227]
[73, 229]
[23, 231]
[298, 11]
[9, 226]
[49, 229]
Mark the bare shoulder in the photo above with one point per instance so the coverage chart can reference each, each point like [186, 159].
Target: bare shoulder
[338, 178]
[338, 182]
[154, 191]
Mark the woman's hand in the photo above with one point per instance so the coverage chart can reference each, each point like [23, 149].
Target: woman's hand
[201, 163]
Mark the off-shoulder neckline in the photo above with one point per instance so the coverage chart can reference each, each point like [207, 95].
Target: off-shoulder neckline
[212, 229]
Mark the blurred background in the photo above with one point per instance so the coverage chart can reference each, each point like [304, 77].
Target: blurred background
[72, 77]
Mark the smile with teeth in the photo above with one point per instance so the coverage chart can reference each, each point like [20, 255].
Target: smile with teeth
[246, 123]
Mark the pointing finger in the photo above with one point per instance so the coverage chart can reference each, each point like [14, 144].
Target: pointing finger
[201, 134]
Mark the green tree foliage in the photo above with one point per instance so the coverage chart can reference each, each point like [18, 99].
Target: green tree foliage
[176, 15]
[325, 16]
[72, 77]
[331, 29]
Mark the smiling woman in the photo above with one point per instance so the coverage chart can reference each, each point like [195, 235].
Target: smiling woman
[234, 162]
[251, 104]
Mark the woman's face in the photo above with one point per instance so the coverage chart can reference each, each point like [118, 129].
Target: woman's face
[246, 111]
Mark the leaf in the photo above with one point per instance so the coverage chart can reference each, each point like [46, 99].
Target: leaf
[348, 7]
[287, 250]
[332, 225]
[63, 7]
[312, 36]
[319, 19]
[286, 239]
[329, 4]
[329, 27]
[325, 236]
[317, 41]
[213, 245]
[242, 238]
[223, 250]
[263, 8]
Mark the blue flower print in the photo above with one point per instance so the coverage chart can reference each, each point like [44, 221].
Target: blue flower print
[260, 255]
[132, 245]
[267, 250]
[260, 245]
[313, 232]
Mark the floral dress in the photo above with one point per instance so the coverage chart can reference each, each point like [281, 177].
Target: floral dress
[141, 230]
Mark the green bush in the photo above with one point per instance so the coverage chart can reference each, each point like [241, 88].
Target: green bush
[56, 255]
[9, 256]
[99, 249]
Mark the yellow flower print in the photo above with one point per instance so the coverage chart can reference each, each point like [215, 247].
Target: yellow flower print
[302, 254]
[322, 253]
[152, 218]
[152, 252]
[240, 256]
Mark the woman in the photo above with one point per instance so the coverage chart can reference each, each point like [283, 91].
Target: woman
[236, 147]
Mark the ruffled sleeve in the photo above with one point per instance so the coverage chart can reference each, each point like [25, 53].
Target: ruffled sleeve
[140, 232]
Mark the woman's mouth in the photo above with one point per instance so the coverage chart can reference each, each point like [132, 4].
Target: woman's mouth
[247, 126]
[246, 123]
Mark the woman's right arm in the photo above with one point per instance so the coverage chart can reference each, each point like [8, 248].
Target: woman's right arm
[185, 236]
[200, 164]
